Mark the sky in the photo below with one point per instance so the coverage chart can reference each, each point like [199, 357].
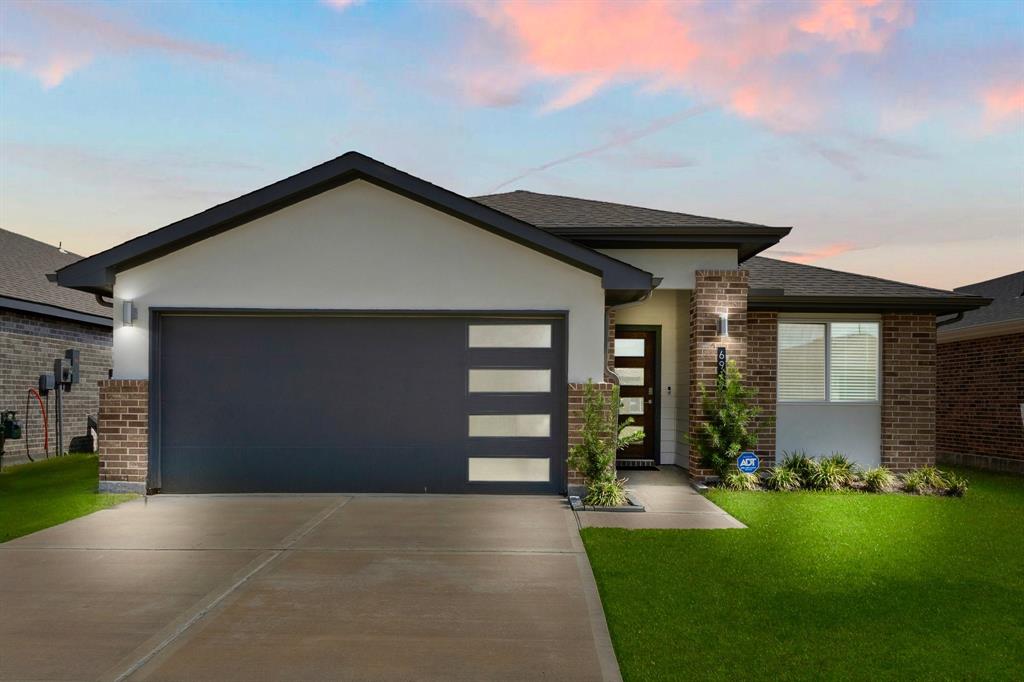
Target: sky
[888, 134]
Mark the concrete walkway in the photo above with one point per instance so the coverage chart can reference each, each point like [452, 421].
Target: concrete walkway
[670, 501]
[305, 587]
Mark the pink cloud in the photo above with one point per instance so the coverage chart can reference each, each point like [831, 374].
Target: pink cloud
[763, 61]
[57, 39]
[341, 4]
[814, 255]
[1003, 104]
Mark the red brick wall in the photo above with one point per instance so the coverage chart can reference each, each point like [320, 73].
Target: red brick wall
[715, 291]
[124, 433]
[576, 419]
[908, 391]
[980, 391]
[609, 366]
[28, 346]
[762, 376]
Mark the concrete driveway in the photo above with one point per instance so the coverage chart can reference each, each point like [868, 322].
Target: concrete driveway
[314, 587]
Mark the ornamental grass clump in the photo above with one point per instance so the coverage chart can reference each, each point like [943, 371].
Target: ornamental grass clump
[737, 480]
[601, 436]
[956, 485]
[924, 481]
[802, 465]
[879, 480]
[783, 478]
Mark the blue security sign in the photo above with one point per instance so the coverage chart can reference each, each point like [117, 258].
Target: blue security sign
[748, 462]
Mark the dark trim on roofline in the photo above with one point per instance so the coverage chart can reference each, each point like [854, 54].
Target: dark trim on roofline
[96, 274]
[747, 242]
[54, 311]
[939, 305]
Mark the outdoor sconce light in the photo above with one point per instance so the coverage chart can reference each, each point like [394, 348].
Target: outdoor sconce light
[128, 314]
[723, 324]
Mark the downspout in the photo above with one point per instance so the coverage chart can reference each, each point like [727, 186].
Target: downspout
[103, 302]
[956, 318]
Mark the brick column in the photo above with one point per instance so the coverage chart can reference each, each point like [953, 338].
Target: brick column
[762, 376]
[576, 392]
[123, 427]
[715, 292]
[908, 391]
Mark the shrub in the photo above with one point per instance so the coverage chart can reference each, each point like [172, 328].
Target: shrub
[600, 438]
[879, 480]
[832, 473]
[737, 480]
[801, 464]
[924, 480]
[956, 485]
[783, 478]
[726, 429]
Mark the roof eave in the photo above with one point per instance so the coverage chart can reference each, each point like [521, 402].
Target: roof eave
[937, 305]
[47, 310]
[96, 274]
[747, 243]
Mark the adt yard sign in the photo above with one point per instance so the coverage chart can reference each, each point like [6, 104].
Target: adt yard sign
[747, 462]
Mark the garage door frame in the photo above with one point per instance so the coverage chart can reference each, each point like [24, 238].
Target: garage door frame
[156, 314]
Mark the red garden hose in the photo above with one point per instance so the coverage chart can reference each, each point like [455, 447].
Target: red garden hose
[46, 425]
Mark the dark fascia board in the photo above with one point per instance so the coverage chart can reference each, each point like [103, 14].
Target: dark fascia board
[748, 242]
[96, 273]
[54, 311]
[938, 305]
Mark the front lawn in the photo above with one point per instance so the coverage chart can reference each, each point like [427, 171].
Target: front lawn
[824, 585]
[42, 494]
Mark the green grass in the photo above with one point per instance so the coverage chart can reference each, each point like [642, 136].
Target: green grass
[824, 586]
[43, 494]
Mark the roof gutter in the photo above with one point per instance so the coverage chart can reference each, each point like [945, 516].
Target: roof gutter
[655, 282]
[938, 305]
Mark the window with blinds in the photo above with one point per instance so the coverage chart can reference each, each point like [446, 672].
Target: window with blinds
[801, 362]
[828, 362]
[853, 361]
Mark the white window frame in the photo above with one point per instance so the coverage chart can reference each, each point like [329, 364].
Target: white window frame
[828, 321]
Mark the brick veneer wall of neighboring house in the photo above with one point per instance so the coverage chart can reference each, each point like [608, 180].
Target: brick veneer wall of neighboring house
[124, 435]
[28, 346]
[980, 393]
[715, 292]
[908, 391]
[576, 419]
[762, 376]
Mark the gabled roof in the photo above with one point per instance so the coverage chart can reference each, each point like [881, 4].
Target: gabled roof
[96, 273]
[602, 224]
[782, 285]
[24, 264]
[1003, 315]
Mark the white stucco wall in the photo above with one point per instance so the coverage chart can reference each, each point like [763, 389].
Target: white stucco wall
[676, 266]
[670, 309]
[855, 430]
[361, 247]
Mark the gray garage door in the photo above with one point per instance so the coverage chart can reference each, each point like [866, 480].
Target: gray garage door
[318, 403]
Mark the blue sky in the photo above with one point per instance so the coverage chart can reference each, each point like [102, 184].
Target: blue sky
[890, 135]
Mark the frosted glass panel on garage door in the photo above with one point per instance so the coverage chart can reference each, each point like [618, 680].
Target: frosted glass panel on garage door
[510, 336]
[509, 469]
[510, 425]
[509, 380]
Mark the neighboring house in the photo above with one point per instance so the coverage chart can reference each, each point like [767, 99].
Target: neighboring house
[38, 322]
[356, 328]
[981, 380]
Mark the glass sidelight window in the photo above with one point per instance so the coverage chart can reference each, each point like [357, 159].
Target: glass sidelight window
[828, 362]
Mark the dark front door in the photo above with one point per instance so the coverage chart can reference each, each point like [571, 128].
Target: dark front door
[636, 355]
[265, 402]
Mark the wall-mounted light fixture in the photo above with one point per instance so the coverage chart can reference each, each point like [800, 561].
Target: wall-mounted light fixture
[128, 314]
[723, 324]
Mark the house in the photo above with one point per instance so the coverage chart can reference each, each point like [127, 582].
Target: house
[38, 322]
[356, 328]
[980, 367]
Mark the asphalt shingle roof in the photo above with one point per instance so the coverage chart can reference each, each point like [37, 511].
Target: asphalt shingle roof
[24, 264]
[1007, 294]
[797, 279]
[555, 212]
